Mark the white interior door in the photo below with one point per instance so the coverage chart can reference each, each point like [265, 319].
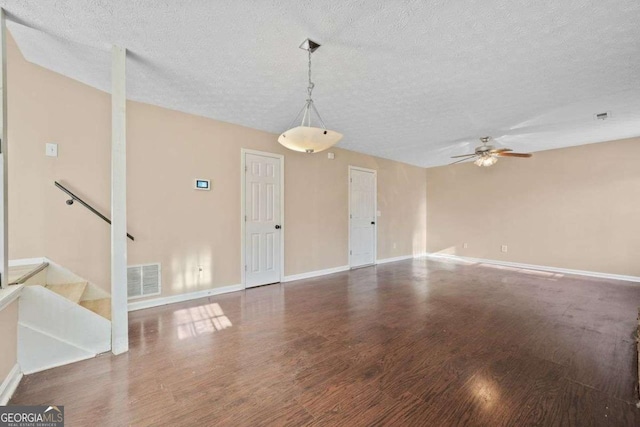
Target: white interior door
[362, 217]
[262, 219]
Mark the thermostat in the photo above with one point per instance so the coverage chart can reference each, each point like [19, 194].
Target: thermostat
[203, 184]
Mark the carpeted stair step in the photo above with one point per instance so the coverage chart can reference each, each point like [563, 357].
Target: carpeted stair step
[100, 306]
[71, 291]
[21, 273]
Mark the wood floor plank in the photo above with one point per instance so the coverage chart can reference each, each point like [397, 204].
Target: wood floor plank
[411, 343]
[580, 405]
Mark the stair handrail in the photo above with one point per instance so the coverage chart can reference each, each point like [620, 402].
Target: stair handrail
[75, 198]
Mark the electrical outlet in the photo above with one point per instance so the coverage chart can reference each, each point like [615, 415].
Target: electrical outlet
[394, 246]
[465, 245]
[504, 248]
[51, 149]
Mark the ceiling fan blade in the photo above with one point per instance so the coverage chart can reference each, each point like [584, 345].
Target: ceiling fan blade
[462, 160]
[514, 154]
[463, 155]
[500, 150]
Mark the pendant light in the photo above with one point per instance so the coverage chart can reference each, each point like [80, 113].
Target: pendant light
[307, 138]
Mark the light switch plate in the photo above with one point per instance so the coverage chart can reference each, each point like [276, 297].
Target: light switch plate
[378, 213]
[51, 149]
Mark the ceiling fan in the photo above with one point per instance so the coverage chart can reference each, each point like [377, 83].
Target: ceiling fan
[487, 155]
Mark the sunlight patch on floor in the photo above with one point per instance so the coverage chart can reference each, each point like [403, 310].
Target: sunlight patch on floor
[201, 320]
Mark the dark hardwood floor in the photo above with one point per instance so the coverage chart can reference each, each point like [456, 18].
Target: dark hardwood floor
[416, 342]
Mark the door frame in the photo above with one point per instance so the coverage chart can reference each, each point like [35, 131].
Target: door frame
[243, 210]
[375, 209]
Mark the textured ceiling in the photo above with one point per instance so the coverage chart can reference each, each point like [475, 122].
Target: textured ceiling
[412, 81]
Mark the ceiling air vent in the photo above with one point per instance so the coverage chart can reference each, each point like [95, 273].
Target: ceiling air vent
[602, 116]
[143, 280]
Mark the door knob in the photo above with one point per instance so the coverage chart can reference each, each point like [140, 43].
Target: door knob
[278, 227]
[373, 223]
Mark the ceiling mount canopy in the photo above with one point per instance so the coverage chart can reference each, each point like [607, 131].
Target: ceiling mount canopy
[309, 45]
[307, 138]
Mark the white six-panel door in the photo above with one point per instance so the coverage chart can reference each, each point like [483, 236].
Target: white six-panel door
[262, 245]
[362, 217]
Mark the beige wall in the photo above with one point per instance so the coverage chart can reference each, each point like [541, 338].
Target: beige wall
[9, 336]
[172, 223]
[576, 208]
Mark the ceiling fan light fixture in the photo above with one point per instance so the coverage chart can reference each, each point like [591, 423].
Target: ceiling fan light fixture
[487, 155]
[486, 161]
[307, 138]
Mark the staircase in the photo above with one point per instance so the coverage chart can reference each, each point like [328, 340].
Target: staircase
[76, 291]
[62, 317]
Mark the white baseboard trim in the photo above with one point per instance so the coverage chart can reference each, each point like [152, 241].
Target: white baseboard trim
[316, 273]
[54, 337]
[156, 302]
[27, 261]
[399, 258]
[10, 384]
[538, 267]
[394, 259]
[57, 365]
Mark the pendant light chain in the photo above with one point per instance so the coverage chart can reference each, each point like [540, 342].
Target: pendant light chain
[309, 107]
[310, 104]
[311, 84]
[305, 137]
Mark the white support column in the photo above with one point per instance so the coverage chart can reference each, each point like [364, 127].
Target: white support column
[119, 314]
[4, 217]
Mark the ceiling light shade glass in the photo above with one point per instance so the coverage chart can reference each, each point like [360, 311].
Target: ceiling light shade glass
[307, 138]
[486, 160]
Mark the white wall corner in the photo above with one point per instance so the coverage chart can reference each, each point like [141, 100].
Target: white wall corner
[119, 317]
[10, 384]
[4, 159]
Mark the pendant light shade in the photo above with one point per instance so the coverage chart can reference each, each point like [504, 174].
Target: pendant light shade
[307, 138]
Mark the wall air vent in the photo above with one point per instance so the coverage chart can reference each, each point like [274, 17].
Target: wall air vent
[143, 280]
[602, 116]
